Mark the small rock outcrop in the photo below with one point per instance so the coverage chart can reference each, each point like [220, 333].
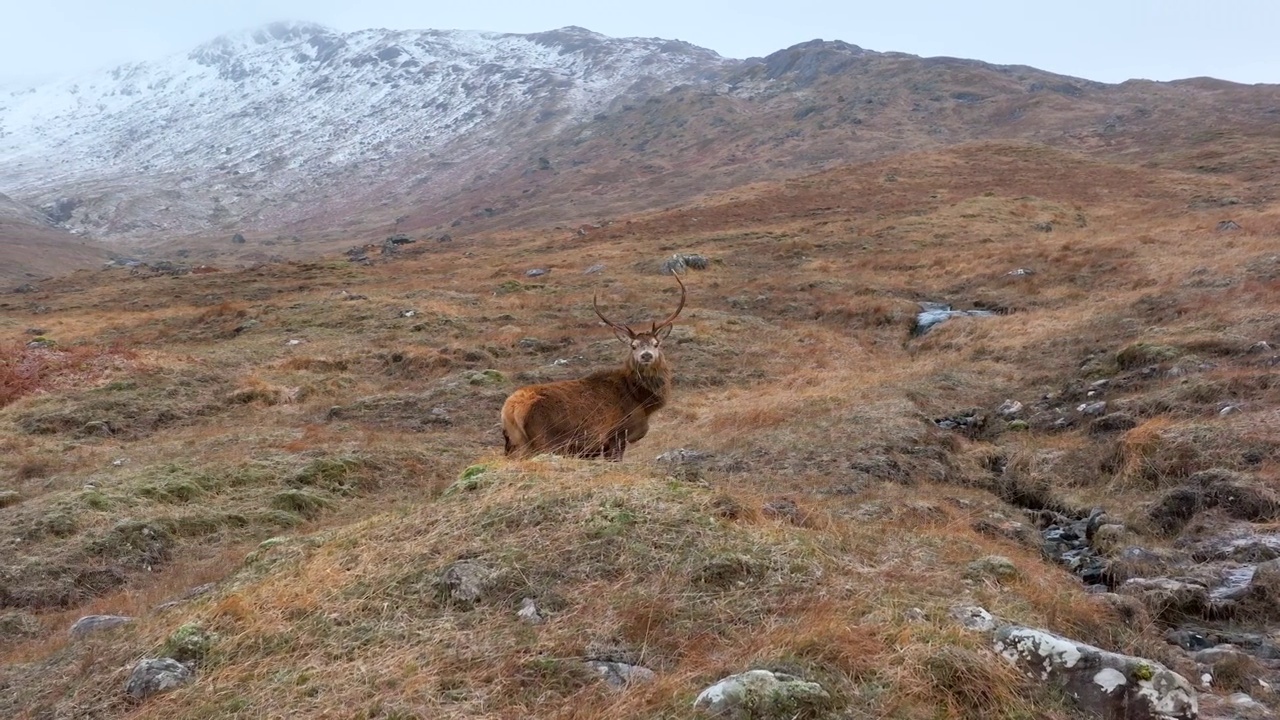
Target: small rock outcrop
[153, 676]
[761, 695]
[1108, 684]
[93, 623]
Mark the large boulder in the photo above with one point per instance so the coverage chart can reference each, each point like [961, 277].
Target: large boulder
[153, 676]
[762, 695]
[1110, 685]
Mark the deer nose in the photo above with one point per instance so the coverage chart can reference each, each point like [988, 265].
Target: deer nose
[646, 356]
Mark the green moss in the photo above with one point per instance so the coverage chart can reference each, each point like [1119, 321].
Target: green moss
[189, 643]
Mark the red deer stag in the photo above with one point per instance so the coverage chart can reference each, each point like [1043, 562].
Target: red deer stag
[594, 416]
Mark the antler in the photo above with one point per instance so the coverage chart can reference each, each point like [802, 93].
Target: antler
[672, 318]
[607, 321]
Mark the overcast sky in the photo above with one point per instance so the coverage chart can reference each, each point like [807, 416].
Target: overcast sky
[1110, 41]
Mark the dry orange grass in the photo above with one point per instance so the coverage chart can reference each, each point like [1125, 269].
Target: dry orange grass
[794, 366]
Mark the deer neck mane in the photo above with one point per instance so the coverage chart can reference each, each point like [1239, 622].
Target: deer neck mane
[649, 385]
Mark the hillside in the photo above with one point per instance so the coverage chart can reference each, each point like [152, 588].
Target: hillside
[30, 248]
[291, 475]
[306, 141]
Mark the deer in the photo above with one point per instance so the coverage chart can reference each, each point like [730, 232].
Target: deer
[595, 416]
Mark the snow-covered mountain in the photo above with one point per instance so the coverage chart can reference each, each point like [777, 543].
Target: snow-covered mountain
[278, 125]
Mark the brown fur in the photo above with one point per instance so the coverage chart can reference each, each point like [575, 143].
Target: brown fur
[594, 416]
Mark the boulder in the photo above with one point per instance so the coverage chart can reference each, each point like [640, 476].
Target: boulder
[1110, 685]
[761, 695]
[465, 582]
[93, 623]
[152, 676]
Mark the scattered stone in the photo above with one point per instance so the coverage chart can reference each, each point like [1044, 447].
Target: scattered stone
[238, 239]
[1229, 409]
[760, 694]
[152, 676]
[1009, 409]
[593, 269]
[41, 331]
[398, 239]
[93, 623]
[42, 342]
[1093, 409]
[536, 272]
[620, 675]
[1108, 684]
[25, 288]
[1228, 225]
[993, 566]
[1043, 227]
[529, 611]
[683, 456]
[932, 314]
[465, 582]
[681, 262]
[974, 618]
[1258, 348]
[9, 498]
[1021, 272]
[445, 238]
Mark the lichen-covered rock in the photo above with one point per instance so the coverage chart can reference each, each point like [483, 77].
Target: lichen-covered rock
[1111, 685]
[93, 623]
[153, 676]
[974, 618]
[762, 695]
[465, 582]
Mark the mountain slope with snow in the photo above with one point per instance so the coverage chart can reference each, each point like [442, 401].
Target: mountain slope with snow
[260, 129]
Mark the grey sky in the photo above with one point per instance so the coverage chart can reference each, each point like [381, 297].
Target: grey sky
[1109, 41]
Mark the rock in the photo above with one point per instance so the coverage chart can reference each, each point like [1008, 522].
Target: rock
[9, 498]
[25, 288]
[445, 238]
[762, 695]
[593, 269]
[528, 611]
[238, 239]
[465, 582]
[931, 314]
[972, 617]
[1009, 409]
[1166, 598]
[992, 566]
[1236, 706]
[536, 272]
[1018, 426]
[93, 623]
[683, 456]
[1043, 227]
[1109, 538]
[152, 676]
[1021, 272]
[398, 239]
[681, 262]
[1105, 683]
[996, 525]
[1261, 598]
[620, 675]
[1228, 225]
[1093, 409]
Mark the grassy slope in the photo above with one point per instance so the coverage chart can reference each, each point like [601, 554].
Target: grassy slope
[794, 368]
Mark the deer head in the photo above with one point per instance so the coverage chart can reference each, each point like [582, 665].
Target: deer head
[646, 345]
